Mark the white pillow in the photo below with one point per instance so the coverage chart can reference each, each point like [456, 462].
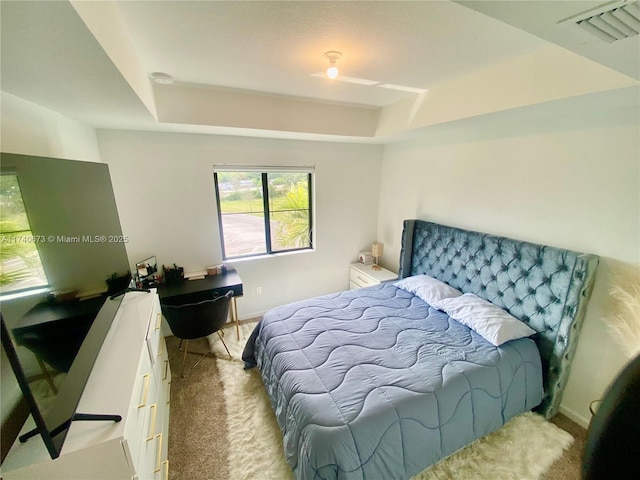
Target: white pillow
[427, 288]
[485, 318]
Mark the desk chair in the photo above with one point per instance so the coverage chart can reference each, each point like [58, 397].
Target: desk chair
[197, 320]
[612, 446]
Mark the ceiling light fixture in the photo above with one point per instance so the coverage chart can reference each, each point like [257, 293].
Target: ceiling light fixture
[161, 78]
[332, 71]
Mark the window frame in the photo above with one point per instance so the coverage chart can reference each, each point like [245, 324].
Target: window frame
[264, 181]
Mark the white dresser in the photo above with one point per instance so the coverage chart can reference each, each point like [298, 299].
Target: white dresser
[361, 275]
[131, 378]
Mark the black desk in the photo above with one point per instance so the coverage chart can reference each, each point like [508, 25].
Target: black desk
[180, 292]
[54, 332]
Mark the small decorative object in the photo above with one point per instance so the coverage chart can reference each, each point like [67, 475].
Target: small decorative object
[376, 250]
[215, 269]
[173, 274]
[118, 283]
[624, 319]
[365, 257]
[62, 297]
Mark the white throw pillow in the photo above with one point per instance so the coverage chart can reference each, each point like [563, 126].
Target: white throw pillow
[427, 288]
[485, 318]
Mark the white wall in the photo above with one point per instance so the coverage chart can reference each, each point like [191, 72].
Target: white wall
[570, 179]
[31, 129]
[163, 185]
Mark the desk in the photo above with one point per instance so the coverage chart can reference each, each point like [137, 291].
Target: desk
[180, 292]
[55, 331]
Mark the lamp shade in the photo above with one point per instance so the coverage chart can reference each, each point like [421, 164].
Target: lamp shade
[376, 249]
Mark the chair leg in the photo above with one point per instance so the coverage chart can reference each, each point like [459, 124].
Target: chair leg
[184, 356]
[225, 345]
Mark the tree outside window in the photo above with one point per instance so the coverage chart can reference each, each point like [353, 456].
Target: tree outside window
[20, 265]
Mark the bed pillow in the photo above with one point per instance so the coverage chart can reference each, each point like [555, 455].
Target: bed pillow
[427, 288]
[491, 322]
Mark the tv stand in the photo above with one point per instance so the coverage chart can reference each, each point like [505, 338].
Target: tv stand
[77, 417]
[131, 378]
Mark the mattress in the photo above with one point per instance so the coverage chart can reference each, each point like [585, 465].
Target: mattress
[376, 384]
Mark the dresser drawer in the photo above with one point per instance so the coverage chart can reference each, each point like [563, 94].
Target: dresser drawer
[361, 275]
[360, 279]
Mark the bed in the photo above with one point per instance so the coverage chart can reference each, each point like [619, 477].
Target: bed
[382, 382]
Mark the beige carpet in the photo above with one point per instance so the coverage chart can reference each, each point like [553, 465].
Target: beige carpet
[214, 436]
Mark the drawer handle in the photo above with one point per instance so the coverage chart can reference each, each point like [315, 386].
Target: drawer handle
[166, 369]
[158, 453]
[152, 424]
[158, 320]
[161, 349]
[362, 279]
[166, 469]
[169, 394]
[147, 380]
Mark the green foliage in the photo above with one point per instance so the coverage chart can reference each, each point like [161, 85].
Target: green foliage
[11, 248]
[19, 259]
[293, 217]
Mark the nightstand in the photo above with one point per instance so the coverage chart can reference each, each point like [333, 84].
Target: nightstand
[361, 275]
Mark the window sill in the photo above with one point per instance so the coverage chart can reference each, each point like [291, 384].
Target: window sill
[25, 293]
[264, 256]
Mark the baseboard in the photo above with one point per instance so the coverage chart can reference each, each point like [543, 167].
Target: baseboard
[579, 419]
[251, 316]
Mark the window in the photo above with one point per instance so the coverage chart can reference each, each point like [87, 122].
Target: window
[20, 265]
[263, 211]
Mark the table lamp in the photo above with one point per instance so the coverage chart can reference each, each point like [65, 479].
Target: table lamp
[376, 251]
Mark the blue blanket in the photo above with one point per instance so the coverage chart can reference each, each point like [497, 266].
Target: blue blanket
[376, 384]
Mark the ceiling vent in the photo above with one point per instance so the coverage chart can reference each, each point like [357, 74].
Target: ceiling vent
[611, 21]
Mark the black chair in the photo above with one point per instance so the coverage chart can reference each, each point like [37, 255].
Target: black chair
[612, 446]
[197, 320]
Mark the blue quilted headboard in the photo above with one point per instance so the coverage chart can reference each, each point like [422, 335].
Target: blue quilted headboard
[546, 287]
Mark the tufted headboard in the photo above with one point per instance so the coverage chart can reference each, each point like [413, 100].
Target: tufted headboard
[546, 287]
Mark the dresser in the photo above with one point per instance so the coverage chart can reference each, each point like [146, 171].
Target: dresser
[361, 275]
[132, 378]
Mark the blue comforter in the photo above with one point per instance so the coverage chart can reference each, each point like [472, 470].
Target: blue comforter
[376, 384]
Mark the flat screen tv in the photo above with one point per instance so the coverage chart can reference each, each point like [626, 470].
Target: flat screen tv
[53, 338]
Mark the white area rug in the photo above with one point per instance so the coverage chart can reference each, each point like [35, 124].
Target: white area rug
[522, 449]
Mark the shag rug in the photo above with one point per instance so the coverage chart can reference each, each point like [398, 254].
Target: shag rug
[524, 448]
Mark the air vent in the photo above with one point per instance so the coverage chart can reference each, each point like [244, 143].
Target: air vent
[610, 22]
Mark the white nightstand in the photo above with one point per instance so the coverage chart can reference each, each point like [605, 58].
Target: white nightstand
[361, 275]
